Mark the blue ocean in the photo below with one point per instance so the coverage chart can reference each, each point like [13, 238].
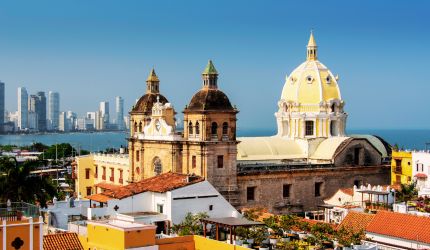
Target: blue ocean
[406, 139]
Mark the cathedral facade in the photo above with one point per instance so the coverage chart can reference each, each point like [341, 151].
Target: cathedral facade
[308, 160]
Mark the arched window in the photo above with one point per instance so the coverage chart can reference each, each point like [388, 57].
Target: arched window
[333, 128]
[190, 128]
[158, 168]
[225, 128]
[214, 129]
[140, 126]
[333, 107]
[309, 128]
[135, 127]
[197, 128]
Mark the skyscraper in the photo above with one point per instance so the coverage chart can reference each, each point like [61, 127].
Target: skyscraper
[22, 108]
[41, 111]
[53, 110]
[104, 115]
[32, 114]
[119, 108]
[1, 106]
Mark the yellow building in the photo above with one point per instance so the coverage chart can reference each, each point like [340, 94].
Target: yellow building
[95, 173]
[401, 167]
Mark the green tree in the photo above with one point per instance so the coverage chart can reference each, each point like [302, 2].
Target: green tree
[407, 192]
[18, 184]
[191, 224]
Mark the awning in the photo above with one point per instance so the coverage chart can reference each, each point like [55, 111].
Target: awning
[421, 175]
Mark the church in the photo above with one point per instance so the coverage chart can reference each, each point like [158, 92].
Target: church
[308, 160]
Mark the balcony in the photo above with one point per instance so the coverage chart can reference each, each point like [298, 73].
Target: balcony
[15, 211]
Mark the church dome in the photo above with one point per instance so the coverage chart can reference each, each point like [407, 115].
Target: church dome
[145, 103]
[209, 99]
[311, 82]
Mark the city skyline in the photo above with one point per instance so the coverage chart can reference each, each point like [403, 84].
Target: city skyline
[112, 56]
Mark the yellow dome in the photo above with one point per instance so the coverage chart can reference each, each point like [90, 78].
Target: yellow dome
[311, 82]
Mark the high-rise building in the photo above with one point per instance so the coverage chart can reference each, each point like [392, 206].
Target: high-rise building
[104, 115]
[119, 108]
[32, 114]
[32, 121]
[53, 110]
[62, 122]
[2, 110]
[41, 111]
[22, 108]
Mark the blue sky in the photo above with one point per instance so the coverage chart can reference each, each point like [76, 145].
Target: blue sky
[91, 51]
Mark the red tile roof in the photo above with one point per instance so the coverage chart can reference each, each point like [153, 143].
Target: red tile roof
[99, 198]
[63, 241]
[348, 191]
[356, 221]
[421, 175]
[107, 186]
[405, 226]
[159, 184]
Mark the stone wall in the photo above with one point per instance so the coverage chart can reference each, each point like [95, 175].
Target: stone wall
[269, 186]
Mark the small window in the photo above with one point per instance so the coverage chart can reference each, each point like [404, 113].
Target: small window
[318, 186]
[190, 128]
[398, 162]
[87, 173]
[160, 208]
[137, 155]
[286, 190]
[194, 161]
[88, 191]
[197, 128]
[211, 207]
[417, 167]
[333, 107]
[250, 193]
[309, 130]
[140, 127]
[224, 128]
[220, 161]
[214, 129]
[328, 79]
[96, 172]
[309, 79]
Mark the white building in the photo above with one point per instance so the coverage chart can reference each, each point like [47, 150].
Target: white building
[22, 108]
[104, 114]
[163, 199]
[421, 171]
[62, 122]
[53, 110]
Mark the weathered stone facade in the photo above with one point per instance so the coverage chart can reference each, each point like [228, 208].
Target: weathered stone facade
[269, 185]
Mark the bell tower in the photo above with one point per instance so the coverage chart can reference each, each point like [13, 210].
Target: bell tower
[210, 133]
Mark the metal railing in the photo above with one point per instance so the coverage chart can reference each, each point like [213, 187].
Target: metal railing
[16, 210]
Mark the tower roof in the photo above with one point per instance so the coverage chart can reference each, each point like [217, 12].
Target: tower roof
[312, 42]
[210, 69]
[152, 76]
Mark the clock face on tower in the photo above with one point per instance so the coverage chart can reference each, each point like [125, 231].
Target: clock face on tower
[157, 125]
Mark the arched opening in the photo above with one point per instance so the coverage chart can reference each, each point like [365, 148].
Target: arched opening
[140, 127]
[197, 128]
[135, 127]
[333, 128]
[225, 128]
[158, 167]
[333, 107]
[214, 129]
[285, 128]
[190, 128]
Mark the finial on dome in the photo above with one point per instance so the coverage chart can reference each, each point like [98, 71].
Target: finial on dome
[210, 69]
[312, 48]
[152, 76]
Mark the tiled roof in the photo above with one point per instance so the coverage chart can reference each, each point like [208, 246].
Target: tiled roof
[405, 226]
[159, 184]
[107, 186]
[62, 241]
[348, 191]
[356, 221]
[421, 175]
[99, 198]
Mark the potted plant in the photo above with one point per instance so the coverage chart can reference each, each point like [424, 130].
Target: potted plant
[264, 247]
[245, 244]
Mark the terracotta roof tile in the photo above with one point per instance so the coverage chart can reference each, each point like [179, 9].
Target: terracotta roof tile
[421, 175]
[62, 241]
[348, 191]
[107, 186]
[356, 221]
[159, 184]
[99, 198]
[405, 226]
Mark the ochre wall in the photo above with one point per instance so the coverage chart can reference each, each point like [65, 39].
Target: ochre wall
[23, 232]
